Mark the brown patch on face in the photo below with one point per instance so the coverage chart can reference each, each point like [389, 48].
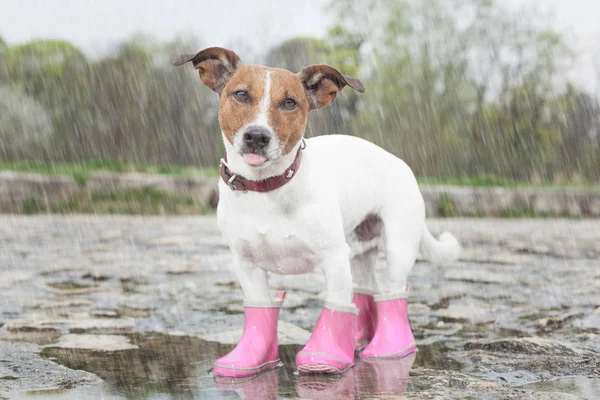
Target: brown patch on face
[288, 125]
[233, 114]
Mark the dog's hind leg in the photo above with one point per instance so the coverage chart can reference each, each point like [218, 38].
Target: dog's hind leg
[393, 336]
[363, 271]
[365, 286]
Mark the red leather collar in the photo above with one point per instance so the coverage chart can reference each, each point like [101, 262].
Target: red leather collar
[238, 183]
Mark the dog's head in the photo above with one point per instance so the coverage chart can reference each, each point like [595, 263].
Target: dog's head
[262, 110]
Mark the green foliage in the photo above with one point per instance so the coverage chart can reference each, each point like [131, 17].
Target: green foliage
[80, 171]
[470, 87]
[32, 205]
[446, 206]
[465, 91]
[146, 201]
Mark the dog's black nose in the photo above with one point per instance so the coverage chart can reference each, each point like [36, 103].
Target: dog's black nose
[257, 137]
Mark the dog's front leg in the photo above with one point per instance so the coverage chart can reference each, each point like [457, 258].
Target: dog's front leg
[331, 346]
[253, 280]
[257, 349]
[338, 275]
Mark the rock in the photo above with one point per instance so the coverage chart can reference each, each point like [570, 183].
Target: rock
[69, 288]
[171, 241]
[94, 342]
[99, 326]
[11, 278]
[530, 345]
[110, 235]
[22, 361]
[181, 270]
[106, 326]
[288, 333]
[478, 275]
[511, 258]
[496, 201]
[95, 276]
[49, 304]
[18, 187]
[472, 312]
[591, 322]
[418, 309]
[203, 190]
[105, 313]
[39, 326]
[552, 323]
[140, 302]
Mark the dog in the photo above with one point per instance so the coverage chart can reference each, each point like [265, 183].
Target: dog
[288, 205]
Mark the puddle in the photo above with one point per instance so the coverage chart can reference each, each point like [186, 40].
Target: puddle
[180, 367]
[587, 388]
[434, 356]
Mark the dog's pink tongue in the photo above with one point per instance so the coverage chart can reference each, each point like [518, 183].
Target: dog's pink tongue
[254, 159]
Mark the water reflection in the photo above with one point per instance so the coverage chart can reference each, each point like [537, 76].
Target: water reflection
[367, 378]
[180, 367]
[262, 386]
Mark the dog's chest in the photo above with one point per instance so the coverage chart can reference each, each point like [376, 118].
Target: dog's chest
[283, 248]
[271, 240]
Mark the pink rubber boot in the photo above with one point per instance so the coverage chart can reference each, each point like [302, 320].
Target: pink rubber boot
[393, 337]
[367, 318]
[330, 348]
[257, 351]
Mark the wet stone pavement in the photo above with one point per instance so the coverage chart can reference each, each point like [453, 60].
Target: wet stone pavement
[120, 307]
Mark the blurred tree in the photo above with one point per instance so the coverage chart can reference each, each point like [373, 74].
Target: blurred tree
[580, 148]
[55, 73]
[150, 111]
[456, 87]
[191, 112]
[24, 124]
[297, 53]
[459, 86]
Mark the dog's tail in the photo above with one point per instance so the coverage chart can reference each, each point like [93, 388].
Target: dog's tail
[446, 249]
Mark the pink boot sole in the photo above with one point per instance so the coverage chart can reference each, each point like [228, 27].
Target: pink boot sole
[236, 372]
[412, 348]
[321, 363]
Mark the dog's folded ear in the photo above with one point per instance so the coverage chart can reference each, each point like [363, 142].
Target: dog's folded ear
[216, 65]
[322, 83]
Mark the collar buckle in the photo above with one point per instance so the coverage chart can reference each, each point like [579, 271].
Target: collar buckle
[233, 184]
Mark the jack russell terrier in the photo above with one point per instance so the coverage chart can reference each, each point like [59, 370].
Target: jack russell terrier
[288, 205]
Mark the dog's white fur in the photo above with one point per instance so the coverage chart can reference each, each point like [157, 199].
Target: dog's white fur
[310, 222]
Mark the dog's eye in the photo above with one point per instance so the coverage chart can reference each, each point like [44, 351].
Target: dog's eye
[242, 95]
[289, 104]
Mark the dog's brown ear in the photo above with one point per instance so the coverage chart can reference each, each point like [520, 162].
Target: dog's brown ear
[322, 83]
[216, 65]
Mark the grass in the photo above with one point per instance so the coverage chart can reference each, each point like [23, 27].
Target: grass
[146, 201]
[495, 181]
[81, 171]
